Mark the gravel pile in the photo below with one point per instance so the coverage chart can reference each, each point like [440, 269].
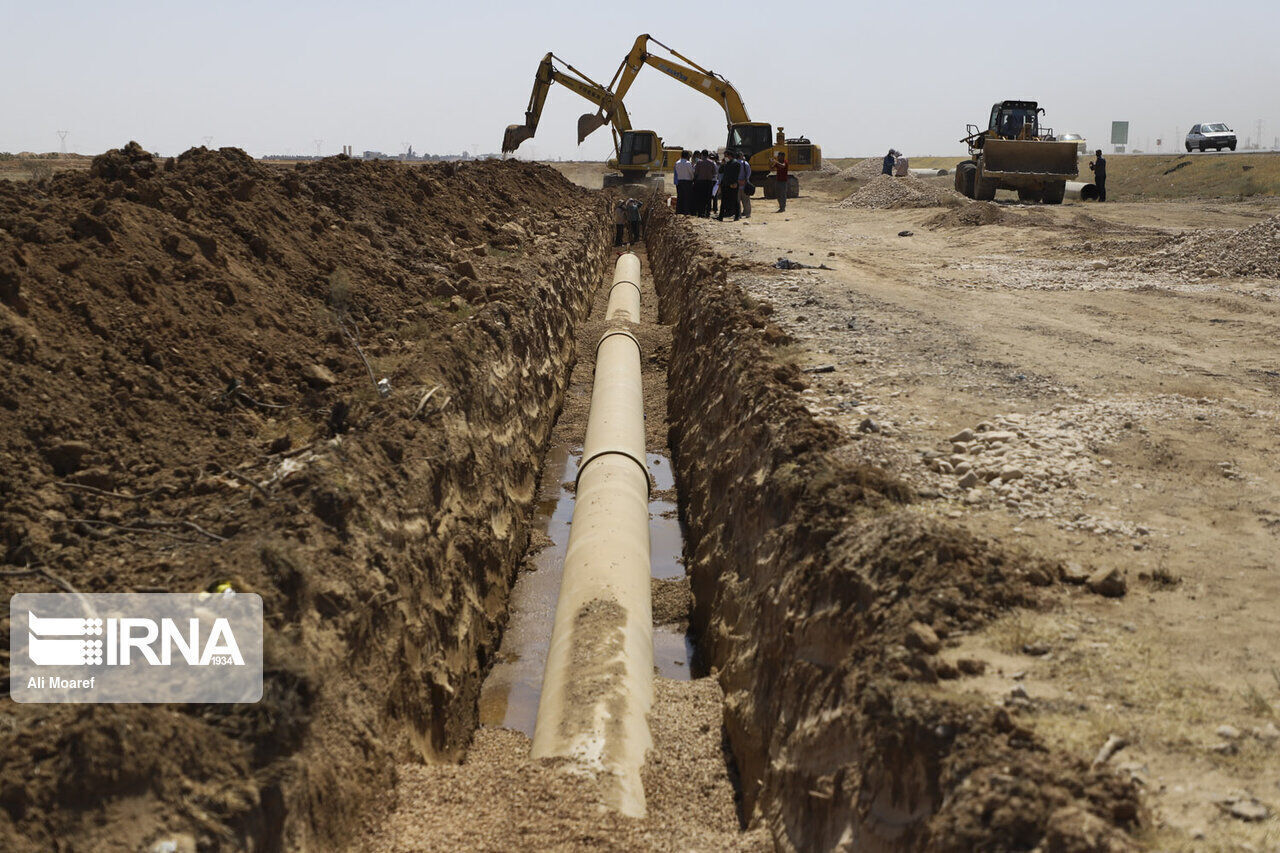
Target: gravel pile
[1040, 465]
[1249, 252]
[863, 170]
[885, 192]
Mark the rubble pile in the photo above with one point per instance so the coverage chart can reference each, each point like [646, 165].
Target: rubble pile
[1252, 252]
[885, 193]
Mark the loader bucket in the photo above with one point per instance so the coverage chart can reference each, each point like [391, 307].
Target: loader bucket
[589, 123]
[516, 133]
[1029, 157]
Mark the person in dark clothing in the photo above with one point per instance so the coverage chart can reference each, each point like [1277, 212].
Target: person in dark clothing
[634, 219]
[1099, 167]
[730, 176]
[887, 167]
[704, 178]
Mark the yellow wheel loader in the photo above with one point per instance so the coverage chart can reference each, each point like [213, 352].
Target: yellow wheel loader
[1016, 153]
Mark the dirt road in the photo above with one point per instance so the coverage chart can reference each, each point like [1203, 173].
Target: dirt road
[1117, 419]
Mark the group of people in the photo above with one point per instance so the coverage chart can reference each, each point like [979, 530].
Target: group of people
[895, 164]
[707, 185]
[626, 212]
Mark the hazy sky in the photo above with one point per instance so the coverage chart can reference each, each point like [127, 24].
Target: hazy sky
[273, 77]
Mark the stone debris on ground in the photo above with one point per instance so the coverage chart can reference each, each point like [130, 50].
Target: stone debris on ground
[1252, 252]
[888, 193]
[500, 799]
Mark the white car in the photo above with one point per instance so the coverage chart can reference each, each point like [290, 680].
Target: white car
[1082, 147]
[1217, 136]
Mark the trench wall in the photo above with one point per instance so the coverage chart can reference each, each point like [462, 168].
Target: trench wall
[176, 342]
[812, 573]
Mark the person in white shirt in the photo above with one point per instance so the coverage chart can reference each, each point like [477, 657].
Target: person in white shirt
[684, 184]
[744, 200]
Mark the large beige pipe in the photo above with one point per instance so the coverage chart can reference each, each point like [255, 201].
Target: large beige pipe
[598, 684]
[624, 294]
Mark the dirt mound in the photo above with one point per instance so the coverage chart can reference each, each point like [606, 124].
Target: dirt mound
[885, 193]
[823, 600]
[978, 213]
[1252, 252]
[184, 342]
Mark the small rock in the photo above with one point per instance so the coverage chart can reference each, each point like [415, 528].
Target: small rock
[971, 666]
[969, 480]
[1224, 748]
[905, 233]
[1250, 810]
[962, 436]
[1108, 582]
[66, 456]
[1268, 733]
[1019, 692]
[319, 376]
[946, 670]
[1074, 573]
[1035, 649]
[868, 425]
[466, 269]
[1228, 732]
[921, 636]
[1010, 473]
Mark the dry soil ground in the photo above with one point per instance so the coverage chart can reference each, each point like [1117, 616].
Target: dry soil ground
[1136, 415]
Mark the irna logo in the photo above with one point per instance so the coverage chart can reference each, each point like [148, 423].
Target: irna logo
[61, 641]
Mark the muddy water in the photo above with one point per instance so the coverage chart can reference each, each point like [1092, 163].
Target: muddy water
[509, 698]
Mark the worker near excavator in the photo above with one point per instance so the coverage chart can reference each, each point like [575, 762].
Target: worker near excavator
[619, 221]
[704, 178]
[1099, 169]
[886, 168]
[684, 184]
[780, 169]
[744, 185]
[730, 178]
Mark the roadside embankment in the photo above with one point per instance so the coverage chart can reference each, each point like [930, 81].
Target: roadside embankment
[823, 599]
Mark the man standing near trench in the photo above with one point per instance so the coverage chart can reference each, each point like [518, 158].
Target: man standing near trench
[1099, 168]
[704, 178]
[684, 184]
[780, 169]
[744, 200]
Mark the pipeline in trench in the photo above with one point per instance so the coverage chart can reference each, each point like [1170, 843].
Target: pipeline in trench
[512, 690]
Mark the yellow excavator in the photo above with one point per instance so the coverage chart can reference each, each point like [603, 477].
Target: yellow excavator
[640, 154]
[753, 138]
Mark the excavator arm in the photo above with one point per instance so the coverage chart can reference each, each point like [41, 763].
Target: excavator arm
[610, 106]
[691, 74]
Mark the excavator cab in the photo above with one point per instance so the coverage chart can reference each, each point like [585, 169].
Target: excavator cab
[750, 138]
[638, 148]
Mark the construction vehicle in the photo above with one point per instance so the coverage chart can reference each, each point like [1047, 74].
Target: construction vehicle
[640, 154]
[1016, 153]
[755, 139]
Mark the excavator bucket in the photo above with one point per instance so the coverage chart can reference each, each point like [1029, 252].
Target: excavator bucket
[1030, 157]
[589, 123]
[516, 133]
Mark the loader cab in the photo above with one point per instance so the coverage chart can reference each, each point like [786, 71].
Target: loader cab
[1015, 120]
[751, 138]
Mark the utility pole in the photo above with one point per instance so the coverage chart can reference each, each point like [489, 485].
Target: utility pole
[1259, 136]
[319, 144]
[62, 138]
[208, 140]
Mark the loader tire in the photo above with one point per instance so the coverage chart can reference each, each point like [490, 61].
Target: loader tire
[964, 179]
[1054, 192]
[984, 188]
[1029, 195]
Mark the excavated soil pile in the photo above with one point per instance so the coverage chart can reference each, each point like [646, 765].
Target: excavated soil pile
[184, 403]
[864, 170]
[824, 600]
[978, 213]
[886, 192]
[1252, 252]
